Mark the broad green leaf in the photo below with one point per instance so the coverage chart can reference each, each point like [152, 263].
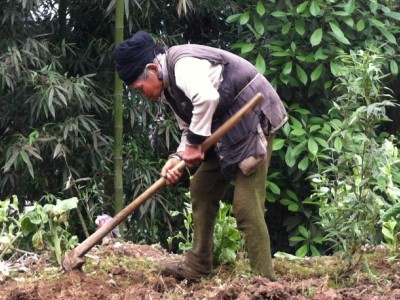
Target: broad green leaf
[37, 240]
[247, 48]
[281, 54]
[338, 34]
[389, 36]
[296, 239]
[312, 146]
[301, 74]
[287, 69]
[233, 18]
[360, 25]
[334, 68]
[278, 144]
[376, 23]
[316, 37]
[244, 18]
[299, 148]
[299, 26]
[341, 13]
[304, 232]
[260, 8]
[260, 64]
[394, 68]
[296, 123]
[63, 206]
[318, 239]
[289, 159]
[278, 14]
[292, 195]
[302, 7]
[286, 28]
[373, 5]
[349, 21]
[303, 164]
[298, 132]
[293, 207]
[259, 26]
[338, 144]
[317, 72]
[387, 233]
[302, 111]
[322, 142]
[314, 250]
[350, 6]
[302, 251]
[394, 15]
[314, 8]
[274, 188]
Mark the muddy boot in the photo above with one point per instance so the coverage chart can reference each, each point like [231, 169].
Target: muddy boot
[180, 270]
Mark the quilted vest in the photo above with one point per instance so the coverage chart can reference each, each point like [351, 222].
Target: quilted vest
[240, 83]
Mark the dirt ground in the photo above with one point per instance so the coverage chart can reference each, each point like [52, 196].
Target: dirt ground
[128, 271]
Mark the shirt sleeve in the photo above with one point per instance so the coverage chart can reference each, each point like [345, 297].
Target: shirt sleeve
[199, 79]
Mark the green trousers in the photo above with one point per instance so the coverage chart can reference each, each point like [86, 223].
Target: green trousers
[207, 188]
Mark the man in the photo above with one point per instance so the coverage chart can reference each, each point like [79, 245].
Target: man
[205, 86]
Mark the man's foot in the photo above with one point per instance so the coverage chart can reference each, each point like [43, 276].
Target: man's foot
[180, 270]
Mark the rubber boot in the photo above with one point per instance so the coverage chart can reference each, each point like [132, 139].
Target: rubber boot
[248, 208]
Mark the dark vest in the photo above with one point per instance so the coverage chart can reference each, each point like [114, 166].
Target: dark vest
[240, 83]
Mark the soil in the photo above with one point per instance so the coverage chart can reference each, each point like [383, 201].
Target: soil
[122, 270]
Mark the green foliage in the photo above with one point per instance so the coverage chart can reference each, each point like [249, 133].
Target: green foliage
[308, 241]
[355, 179]
[298, 46]
[47, 226]
[300, 40]
[227, 239]
[185, 239]
[391, 234]
[10, 221]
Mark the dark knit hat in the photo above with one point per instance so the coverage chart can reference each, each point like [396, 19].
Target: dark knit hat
[132, 56]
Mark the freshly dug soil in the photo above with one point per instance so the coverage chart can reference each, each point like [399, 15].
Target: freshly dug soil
[128, 271]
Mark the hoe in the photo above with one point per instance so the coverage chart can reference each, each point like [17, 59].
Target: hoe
[74, 259]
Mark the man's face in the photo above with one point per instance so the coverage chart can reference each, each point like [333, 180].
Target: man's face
[150, 87]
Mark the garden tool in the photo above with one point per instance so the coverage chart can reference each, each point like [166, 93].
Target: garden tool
[75, 259]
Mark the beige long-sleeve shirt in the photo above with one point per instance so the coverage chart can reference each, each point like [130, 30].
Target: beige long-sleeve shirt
[199, 79]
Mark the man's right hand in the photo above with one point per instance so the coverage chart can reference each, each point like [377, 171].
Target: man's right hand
[171, 176]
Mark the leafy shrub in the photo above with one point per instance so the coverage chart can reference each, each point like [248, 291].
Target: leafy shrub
[45, 226]
[356, 179]
[227, 239]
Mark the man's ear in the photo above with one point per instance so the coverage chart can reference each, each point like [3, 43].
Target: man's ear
[152, 67]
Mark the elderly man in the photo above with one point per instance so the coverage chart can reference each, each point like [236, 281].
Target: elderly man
[205, 86]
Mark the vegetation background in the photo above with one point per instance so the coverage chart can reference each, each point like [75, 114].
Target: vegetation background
[334, 180]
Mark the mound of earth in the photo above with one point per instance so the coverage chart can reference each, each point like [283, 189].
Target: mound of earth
[122, 270]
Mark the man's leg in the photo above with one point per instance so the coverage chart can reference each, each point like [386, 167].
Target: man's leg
[248, 208]
[206, 189]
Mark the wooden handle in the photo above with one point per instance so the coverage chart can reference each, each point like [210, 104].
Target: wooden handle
[73, 259]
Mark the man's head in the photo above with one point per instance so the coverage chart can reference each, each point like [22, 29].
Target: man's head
[134, 59]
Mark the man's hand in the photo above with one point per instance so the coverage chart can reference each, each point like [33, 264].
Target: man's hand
[171, 176]
[193, 155]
